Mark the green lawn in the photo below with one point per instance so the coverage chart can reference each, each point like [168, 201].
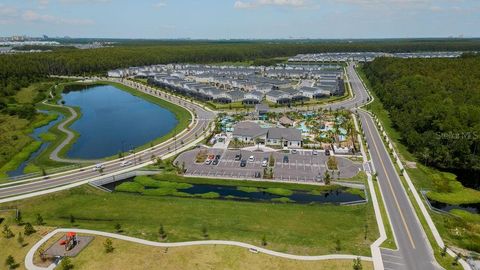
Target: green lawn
[16, 145]
[299, 229]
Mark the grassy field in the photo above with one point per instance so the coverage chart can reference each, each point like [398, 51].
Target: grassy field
[11, 246]
[55, 137]
[16, 145]
[462, 230]
[298, 229]
[131, 256]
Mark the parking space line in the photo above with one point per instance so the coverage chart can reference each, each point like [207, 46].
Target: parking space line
[390, 262]
[389, 255]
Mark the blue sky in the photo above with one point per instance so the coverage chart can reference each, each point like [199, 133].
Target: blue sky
[219, 19]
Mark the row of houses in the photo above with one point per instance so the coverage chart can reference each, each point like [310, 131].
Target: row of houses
[367, 56]
[244, 84]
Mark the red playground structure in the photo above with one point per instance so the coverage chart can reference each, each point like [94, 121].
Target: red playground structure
[70, 241]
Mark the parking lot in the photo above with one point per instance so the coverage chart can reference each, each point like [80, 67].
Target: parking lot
[300, 167]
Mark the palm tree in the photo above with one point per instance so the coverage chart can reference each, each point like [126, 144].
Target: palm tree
[353, 132]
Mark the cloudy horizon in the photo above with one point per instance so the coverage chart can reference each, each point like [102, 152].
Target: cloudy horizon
[241, 19]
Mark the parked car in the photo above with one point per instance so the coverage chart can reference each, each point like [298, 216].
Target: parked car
[265, 162]
[294, 151]
[258, 175]
[211, 157]
[238, 157]
[243, 163]
[327, 152]
[218, 157]
[215, 162]
[285, 159]
[208, 162]
[314, 152]
[251, 159]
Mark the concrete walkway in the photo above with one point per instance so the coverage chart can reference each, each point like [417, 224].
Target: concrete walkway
[30, 255]
[70, 136]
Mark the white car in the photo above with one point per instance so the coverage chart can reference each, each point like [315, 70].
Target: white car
[265, 162]
[251, 159]
[126, 163]
[98, 167]
[314, 152]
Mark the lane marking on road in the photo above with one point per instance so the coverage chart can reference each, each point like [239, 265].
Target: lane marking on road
[391, 188]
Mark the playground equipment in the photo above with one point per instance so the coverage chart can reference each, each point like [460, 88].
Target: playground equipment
[70, 241]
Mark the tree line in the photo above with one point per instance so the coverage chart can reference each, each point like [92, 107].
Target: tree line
[20, 70]
[435, 105]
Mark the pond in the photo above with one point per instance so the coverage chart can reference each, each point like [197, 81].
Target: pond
[36, 136]
[339, 195]
[114, 121]
[473, 208]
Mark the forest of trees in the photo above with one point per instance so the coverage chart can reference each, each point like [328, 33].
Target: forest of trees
[20, 70]
[435, 105]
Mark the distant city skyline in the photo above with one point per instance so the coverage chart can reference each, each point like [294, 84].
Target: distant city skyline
[241, 19]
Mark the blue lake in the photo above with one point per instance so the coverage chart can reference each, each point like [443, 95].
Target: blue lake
[114, 120]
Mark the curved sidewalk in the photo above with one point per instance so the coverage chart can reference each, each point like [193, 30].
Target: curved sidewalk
[70, 136]
[30, 255]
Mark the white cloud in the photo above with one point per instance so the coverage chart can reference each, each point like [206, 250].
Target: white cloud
[33, 16]
[83, 1]
[11, 14]
[7, 11]
[7, 14]
[240, 4]
[160, 4]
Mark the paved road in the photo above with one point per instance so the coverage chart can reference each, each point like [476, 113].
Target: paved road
[30, 255]
[414, 251]
[201, 123]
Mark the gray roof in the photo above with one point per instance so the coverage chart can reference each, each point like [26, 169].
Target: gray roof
[289, 134]
[275, 93]
[248, 129]
[262, 107]
[236, 94]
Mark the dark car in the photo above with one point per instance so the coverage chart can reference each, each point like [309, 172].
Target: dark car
[327, 152]
[215, 162]
[285, 159]
[243, 163]
[218, 157]
[258, 174]
[238, 157]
